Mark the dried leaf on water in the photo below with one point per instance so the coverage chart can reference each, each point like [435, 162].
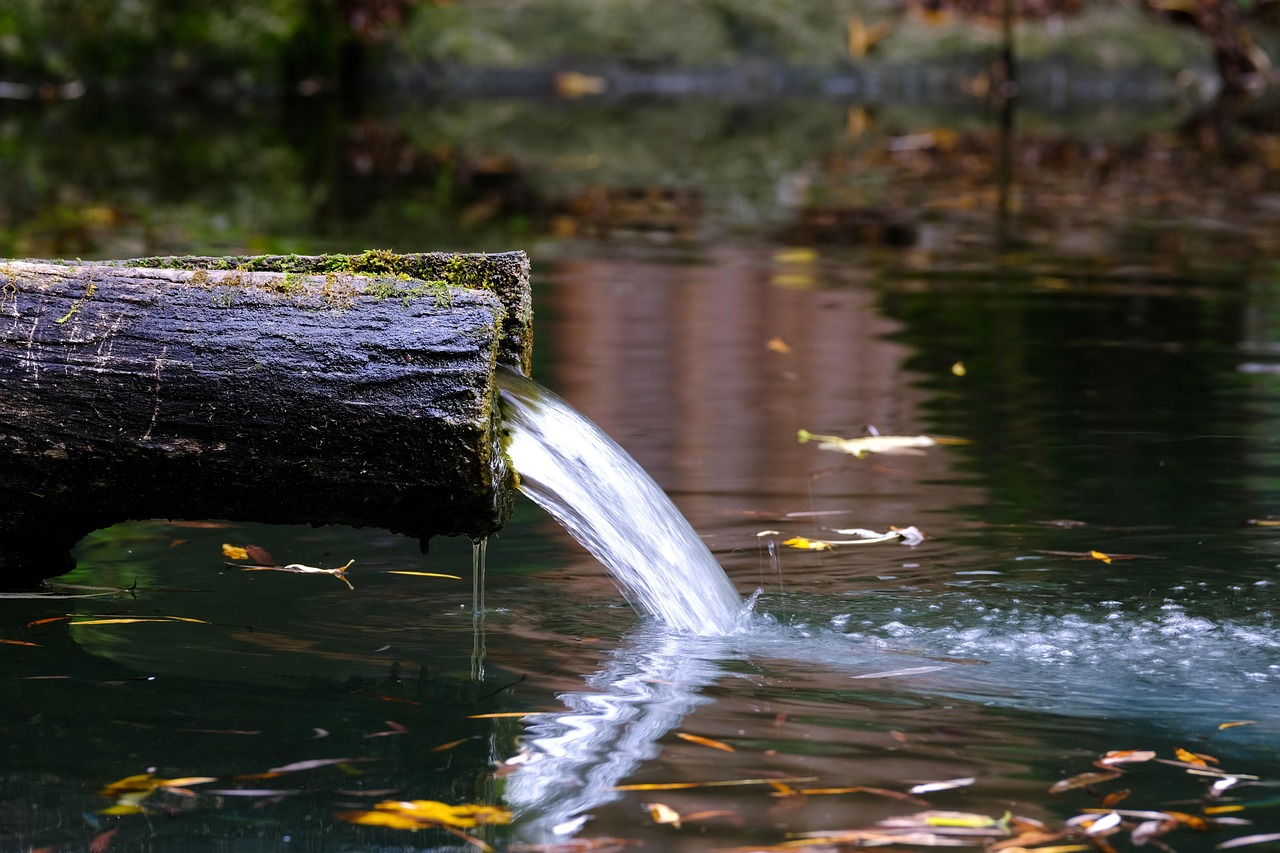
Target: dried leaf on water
[788, 791]
[339, 572]
[662, 813]
[930, 787]
[705, 741]
[424, 574]
[130, 791]
[807, 544]
[429, 814]
[1098, 555]
[1084, 780]
[1124, 756]
[681, 786]
[19, 643]
[577, 845]
[126, 620]
[1234, 723]
[1246, 840]
[888, 444]
[778, 345]
[1197, 758]
[234, 552]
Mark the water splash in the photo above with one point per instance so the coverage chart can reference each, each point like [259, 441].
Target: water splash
[569, 467]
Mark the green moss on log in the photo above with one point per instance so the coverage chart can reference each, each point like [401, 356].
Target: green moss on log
[386, 275]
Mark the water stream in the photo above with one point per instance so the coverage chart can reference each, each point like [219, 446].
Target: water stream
[606, 501]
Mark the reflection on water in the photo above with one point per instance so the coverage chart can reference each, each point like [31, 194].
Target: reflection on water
[650, 683]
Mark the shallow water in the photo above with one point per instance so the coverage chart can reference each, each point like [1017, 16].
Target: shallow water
[1117, 380]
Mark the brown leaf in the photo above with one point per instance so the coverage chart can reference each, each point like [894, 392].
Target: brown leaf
[259, 555]
[1083, 780]
[102, 841]
[705, 741]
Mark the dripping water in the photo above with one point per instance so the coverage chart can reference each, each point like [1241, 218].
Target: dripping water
[606, 501]
[479, 549]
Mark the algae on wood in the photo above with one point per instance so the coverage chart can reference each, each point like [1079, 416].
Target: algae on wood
[353, 389]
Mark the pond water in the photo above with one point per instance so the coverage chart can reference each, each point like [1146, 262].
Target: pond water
[1098, 568]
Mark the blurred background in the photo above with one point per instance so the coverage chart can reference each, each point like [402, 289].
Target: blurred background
[914, 126]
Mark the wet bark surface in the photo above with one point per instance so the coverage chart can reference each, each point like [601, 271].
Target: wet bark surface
[150, 392]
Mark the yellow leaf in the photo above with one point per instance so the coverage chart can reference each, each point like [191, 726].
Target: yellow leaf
[1098, 555]
[963, 820]
[1195, 757]
[778, 345]
[958, 369]
[807, 544]
[421, 814]
[800, 255]
[127, 620]
[231, 552]
[1235, 723]
[1212, 810]
[662, 813]
[426, 575]
[705, 741]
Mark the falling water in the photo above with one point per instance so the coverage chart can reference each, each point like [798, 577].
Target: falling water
[607, 502]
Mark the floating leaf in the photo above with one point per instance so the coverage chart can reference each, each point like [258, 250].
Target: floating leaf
[451, 744]
[393, 728]
[1196, 758]
[1235, 723]
[19, 643]
[930, 787]
[1245, 840]
[907, 535]
[233, 552]
[1115, 797]
[807, 544]
[888, 444]
[130, 791]
[958, 369]
[47, 620]
[427, 814]
[662, 813]
[339, 572]
[1124, 756]
[1083, 780]
[680, 786]
[778, 345]
[705, 741]
[425, 574]
[126, 620]
[1098, 555]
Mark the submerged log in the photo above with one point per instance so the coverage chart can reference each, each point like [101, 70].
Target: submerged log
[335, 389]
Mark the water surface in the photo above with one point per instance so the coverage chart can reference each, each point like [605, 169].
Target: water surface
[1115, 375]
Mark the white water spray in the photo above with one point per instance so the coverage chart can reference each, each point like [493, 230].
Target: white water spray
[569, 467]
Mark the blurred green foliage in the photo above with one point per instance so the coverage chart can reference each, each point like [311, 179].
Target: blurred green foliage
[683, 32]
[161, 42]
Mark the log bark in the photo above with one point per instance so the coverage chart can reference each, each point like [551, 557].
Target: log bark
[332, 389]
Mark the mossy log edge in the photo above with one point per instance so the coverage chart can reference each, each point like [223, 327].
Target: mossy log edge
[331, 389]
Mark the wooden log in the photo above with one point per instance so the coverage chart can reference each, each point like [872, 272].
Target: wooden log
[347, 389]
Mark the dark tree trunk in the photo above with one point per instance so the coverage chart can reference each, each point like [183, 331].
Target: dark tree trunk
[335, 389]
